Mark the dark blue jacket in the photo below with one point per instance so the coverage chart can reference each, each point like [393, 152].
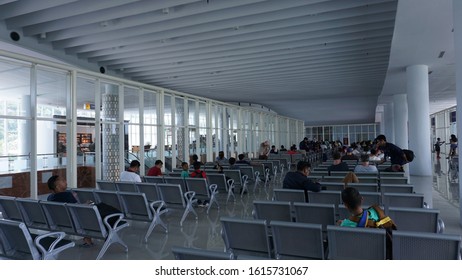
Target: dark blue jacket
[394, 152]
[298, 181]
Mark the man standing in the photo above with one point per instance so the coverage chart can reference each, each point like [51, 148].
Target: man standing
[438, 144]
[397, 156]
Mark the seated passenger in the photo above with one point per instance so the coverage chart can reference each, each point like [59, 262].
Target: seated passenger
[156, 170]
[131, 174]
[350, 178]
[298, 179]
[273, 150]
[353, 201]
[293, 150]
[197, 173]
[58, 186]
[185, 172]
[337, 165]
[242, 160]
[364, 166]
[220, 159]
[374, 156]
[372, 217]
[232, 164]
[349, 155]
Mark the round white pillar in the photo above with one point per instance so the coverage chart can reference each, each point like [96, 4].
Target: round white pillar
[419, 119]
[389, 125]
[457, 18]
[400, 112]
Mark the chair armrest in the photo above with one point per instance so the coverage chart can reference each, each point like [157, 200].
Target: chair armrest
[190, 196]
[440, 226]
[58, 236]
[158, 206]
[116, 224]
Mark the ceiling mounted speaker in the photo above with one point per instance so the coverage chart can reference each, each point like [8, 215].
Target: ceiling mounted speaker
[15, 36]
[102, 70]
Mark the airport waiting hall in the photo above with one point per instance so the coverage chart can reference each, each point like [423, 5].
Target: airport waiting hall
[283, 225]
[87, 89]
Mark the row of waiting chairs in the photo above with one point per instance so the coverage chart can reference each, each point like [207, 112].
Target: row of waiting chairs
[255, 175]
[335, 197]
[225, 183]
[363, 178]
[200, 186]
[74, 219]
[408, 219]
[287, 240]
[171, 196]
[17, 242]
[369, 187]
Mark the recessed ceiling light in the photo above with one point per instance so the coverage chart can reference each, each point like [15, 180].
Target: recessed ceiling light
[441, 54]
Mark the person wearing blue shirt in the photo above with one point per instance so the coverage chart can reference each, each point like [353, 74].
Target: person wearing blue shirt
[298, 180]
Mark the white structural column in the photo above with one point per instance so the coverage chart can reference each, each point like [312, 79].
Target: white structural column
[388, 119]
[457, 9]
[419, 120]
[400, 112]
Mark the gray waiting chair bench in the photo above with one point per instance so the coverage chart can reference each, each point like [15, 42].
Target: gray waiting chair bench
[85, 195]
[150, 191]
[416, 219]
[9, 208]
[88, 222]
[32, 213]
[17, 242]
[425, 246]
[352, 243]
[403, 200]
[289, 195]
[106, 185]
[126, 186]
[297, 240]
[136, 207]
[238, 241]
[174, 197]
[183, 253]
[272, 210]
[315, 213]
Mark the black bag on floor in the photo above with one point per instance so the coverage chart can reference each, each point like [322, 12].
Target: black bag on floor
[106, 210]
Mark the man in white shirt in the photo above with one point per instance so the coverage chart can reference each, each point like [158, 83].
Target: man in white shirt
[131, 174]
[364, 166]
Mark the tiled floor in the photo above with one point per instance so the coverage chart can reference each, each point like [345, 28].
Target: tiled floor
[441, 192]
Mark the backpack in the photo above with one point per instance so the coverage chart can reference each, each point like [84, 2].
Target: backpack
[198, 174]
[409, 155]
[384, 222]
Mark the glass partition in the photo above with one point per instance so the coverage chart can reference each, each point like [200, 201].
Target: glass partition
[202, 129]
[86, 132]
[150, 128]
[134, 150]
[110, 118]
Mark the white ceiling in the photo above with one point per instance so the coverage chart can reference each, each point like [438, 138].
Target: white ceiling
[325, 62]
